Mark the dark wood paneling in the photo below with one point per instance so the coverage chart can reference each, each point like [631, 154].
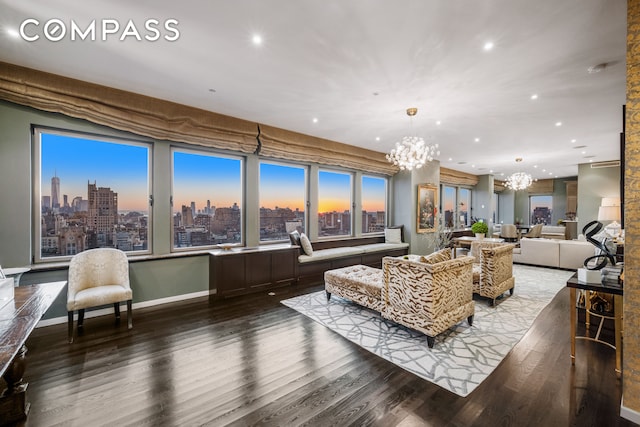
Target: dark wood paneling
[244, 271]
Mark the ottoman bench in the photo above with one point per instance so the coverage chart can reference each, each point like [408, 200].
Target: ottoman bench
[359, 283]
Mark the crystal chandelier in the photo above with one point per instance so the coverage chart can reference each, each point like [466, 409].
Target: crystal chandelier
[519, 180]
[412, 151]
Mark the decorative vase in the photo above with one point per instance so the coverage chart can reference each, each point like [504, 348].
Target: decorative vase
[479, 236]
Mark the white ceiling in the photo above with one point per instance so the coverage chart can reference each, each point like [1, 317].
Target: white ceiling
[357, 66]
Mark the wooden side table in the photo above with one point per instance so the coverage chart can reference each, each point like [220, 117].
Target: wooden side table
[608, 286]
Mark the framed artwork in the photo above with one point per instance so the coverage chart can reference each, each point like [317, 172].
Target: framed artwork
[427, 208]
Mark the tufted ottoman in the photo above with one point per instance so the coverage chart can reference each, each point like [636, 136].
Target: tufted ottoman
[358, 283]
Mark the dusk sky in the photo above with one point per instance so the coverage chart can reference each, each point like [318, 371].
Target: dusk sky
[76, 161]
[197, 177]
[282, 186]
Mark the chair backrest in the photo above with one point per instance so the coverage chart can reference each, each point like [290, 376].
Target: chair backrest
[508, 231]
[98, 267]
[535, 231]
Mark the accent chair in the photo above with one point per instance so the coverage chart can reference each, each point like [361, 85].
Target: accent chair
[98, 277]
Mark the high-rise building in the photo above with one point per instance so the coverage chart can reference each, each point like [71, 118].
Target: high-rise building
[103, 210]
[46, 202]
[187, 216]
[55, 192]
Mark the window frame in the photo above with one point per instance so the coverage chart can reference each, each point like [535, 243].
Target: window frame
[351, 176]
[386, 202]
[305, 169]
[36, 186]
[201, 151]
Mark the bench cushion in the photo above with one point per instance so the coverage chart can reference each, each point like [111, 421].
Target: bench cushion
[323, 254]
[379, 247]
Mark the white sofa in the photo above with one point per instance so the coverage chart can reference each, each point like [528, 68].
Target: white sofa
[553, 232]
[567, 254]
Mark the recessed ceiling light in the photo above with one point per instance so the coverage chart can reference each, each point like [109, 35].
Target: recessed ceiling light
[544, 170]
[535, 166]
[438, 123]
[13, 33]
[488, 46]
[473, 166]
[558, 124]
[583, 152]
[534, 96]
[377, 138]
[490, 170]
[550, 173]
[573, 141]
[477, 140]
[256, 39]
[502, 174]
[315, 120]
[590, 160]
[450, 159]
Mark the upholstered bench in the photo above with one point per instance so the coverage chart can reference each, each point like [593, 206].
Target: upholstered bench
[359, 283]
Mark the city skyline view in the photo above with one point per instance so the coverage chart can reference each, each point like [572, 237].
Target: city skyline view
[77, 161]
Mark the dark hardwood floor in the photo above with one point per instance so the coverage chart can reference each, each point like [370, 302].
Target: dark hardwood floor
[252, 361]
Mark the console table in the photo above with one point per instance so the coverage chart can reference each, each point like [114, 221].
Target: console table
[17, 319]
[608, 286]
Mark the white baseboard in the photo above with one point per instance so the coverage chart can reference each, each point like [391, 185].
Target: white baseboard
[629, 414]
[109, 311]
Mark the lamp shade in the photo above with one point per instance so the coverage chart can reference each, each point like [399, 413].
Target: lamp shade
[609, 213]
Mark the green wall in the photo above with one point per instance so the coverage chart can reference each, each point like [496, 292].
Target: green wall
[171, 276]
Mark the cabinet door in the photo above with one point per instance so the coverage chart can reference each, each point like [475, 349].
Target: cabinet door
[259, 269]
[284, 266]
[229, 273]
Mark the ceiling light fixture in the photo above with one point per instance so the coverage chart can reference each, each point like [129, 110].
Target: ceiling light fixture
[534, 96]
[519, 180]
[488, 46]
[412, 152]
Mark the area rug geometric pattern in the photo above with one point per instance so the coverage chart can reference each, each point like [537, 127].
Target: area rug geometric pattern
[463, 356]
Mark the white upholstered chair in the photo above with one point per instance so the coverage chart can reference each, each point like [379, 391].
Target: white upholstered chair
[98, 277]
[509, 232]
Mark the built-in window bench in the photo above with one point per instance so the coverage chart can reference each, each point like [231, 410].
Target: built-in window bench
[329, 255]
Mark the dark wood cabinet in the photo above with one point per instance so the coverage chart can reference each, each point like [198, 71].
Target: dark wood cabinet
[245, 270]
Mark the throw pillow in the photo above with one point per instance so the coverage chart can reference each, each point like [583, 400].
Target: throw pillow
[436, 257]
[294, 236]
[306, 244]
[393, 235]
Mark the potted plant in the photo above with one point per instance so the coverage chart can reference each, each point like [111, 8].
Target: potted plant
[480, 229]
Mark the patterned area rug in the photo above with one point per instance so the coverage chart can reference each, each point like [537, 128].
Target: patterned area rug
[462, 357]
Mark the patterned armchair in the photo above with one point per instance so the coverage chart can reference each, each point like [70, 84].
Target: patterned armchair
[493, 270]
[428, 297]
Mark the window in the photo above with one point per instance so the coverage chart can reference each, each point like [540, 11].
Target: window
[282, 200]
[449, 206]
[334, 204]
[91, 192]
[374, 204]
[541, 209]
[464, 204]
[207, 199]
[456, 203]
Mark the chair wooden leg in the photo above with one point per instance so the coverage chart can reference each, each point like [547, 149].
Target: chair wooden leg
[470, 320]
[116, 309]
[80, 318]
[511, 291]
[70, 325]
[328, 295]
[129, 315]
[430, 341]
